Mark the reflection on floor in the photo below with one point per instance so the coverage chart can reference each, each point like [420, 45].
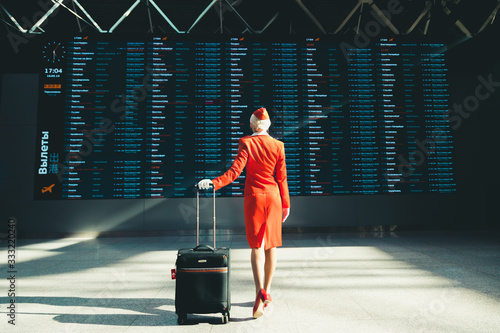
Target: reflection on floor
[335, 282]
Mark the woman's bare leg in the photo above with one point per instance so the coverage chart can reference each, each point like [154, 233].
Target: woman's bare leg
[269, 267]
[257, 259]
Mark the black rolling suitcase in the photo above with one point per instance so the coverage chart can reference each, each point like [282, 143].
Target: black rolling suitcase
[202, 277]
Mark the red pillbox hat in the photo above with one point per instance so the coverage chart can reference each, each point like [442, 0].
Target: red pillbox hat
[261, 114]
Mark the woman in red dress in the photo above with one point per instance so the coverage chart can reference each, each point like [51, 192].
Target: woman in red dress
[267, 203]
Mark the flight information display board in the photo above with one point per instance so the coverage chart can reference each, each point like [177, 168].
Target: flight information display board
[149, 118]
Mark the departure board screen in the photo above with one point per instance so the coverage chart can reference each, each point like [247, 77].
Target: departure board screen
[149, 118]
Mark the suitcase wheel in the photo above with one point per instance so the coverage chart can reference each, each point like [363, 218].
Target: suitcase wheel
[225, 318]
[181, 318]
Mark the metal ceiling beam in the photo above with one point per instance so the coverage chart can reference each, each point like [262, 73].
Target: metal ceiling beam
[248, 27]
[89, 17]
[17, 25]
[124, 16]
[458, 23]
[375, 9]
[348, 17]
[240, 17]
[384, 18]
[490, 18]
[78, 17]
[426, 11]
[427, 23]
[165, 16]
[267, 25]
[201, 15]
[149, 16]
[311, 16]
[44, 17]
[134, 5]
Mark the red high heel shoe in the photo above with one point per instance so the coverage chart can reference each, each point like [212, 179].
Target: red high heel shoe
[258, 308]
[268, 299]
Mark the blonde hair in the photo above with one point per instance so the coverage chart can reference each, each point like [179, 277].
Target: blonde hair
[260, 124]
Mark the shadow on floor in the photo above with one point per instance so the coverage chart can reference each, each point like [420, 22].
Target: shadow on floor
[141, 311]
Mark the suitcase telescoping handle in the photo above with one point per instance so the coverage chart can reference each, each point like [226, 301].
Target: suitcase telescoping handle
[204, 248]
[198, 214]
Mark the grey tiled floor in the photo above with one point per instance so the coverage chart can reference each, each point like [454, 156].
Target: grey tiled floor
[339, 282]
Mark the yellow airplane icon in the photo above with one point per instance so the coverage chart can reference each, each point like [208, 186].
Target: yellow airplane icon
[48, 188]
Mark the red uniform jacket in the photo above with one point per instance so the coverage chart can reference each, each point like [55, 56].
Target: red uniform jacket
[266, 187]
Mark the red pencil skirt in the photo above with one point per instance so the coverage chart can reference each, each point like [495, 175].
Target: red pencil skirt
[263, 215]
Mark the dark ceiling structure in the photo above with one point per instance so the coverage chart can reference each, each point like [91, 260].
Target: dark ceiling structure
[355, 21]
[441, 18]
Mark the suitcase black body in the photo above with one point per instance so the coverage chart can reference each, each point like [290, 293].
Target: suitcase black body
[202, 282]
[202, 279]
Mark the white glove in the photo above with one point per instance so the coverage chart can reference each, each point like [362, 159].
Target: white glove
[286, 213]
[205, 184]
